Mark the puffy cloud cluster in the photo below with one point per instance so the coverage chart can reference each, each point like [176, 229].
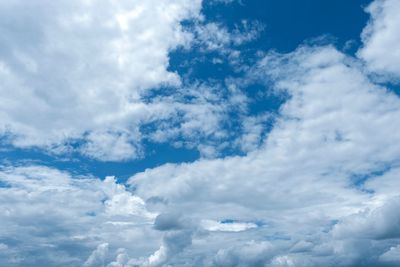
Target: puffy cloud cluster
[49, 218]
[77, 75]
[303, 188]
[381, 38]
[93, 77]
[320, 190]
[296, 201]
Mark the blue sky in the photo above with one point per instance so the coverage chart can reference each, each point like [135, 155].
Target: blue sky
[199, 133]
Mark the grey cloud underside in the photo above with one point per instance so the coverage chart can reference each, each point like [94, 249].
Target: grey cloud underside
[321, 190]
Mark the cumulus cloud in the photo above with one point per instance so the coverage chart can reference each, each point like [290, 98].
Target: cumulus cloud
[319, 189]
[380, 223]
[111, 146]
[249, 254]
[97, 258]
[76, 75]
[329, 110]
[173, 243]
[49, 218]
[381, 38]
[94, 77]
[302, 183]
[295, 201]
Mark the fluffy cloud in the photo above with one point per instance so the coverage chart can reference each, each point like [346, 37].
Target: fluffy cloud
[97, 258]
[305, 183]
[296, 201]
[76, 75]
[329, 110]
[380, 223]
[381, 38]
[320, 189]
[49, 218]
[93, 77]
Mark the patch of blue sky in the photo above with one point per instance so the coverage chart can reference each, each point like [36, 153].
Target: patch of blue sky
[288, 23]
[4, 184]
[301, 20]
[156, 155]
[358, 180]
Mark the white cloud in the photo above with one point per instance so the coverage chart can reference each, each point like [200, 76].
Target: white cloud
[111, 146]
[329, 111]
[98, 257]
[296, 199]
[49, 218]
[173, 243]
[336, 126]
[249, 254]
[379, 223]
[211, 225]
[381, 38]
[253, 131]
[77, 76]
[292, 202]
[76, 71]
[216, 37]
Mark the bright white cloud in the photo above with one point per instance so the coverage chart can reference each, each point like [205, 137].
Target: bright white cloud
[320, 189]
[78, 76]
[111, 146]
[211, 225]
[76, 71]
[49, 218]
[292, 202]
[335, 127]
[381, 38]
[98, 257]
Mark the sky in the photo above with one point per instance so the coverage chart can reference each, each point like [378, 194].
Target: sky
[215, 133]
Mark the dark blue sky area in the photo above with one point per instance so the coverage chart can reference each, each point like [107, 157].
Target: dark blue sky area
[290, 22]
